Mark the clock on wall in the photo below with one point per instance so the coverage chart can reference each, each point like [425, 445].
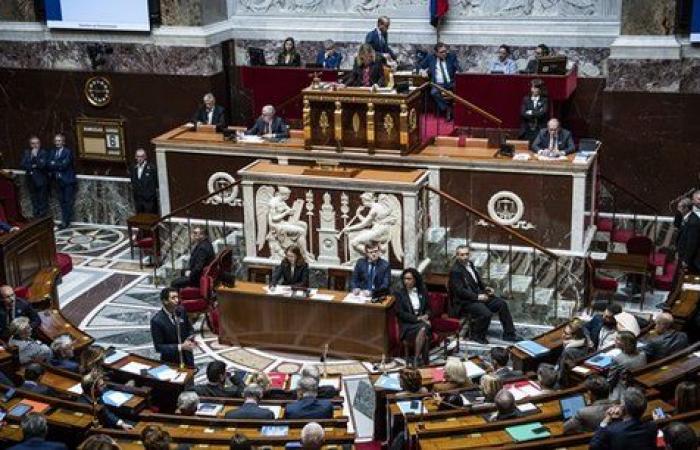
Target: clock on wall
[98, 91]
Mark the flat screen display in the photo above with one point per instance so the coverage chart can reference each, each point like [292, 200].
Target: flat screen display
[695, 22]
[108, 15]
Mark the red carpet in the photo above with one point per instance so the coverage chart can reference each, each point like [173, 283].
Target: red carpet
[374, 445]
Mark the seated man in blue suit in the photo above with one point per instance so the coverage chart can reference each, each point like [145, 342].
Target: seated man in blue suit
[60, 166]
[309, 406]
[34, 430]
[269, 126]
[442, 67]
[252, 394]
[371, 273]
[623, 428]
[379, 39]
[554, 140]
[329, 58]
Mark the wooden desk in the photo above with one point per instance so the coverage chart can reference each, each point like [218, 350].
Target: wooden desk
[251, 317]
[551, 339]
[626, 263]
[54, 324]
[686, 302]
[670, 369]
[43, 291]
[25, 252]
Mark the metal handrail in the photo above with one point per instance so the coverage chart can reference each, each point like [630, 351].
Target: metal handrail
[467, 103]
[631, 194]
[197, 200]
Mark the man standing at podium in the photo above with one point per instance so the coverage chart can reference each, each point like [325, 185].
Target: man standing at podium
[379, 39]
[442, 67]
[172, 332]
[210, 113]
[554, 141]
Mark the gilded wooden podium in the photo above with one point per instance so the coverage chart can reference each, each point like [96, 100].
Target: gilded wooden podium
[361, 120]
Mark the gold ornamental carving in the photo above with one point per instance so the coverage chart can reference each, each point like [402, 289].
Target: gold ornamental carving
[370, 125]
[356, 123]
[403, 121]
[306, 121]
[323, 122]
[338, 121]
[412, 120]
[388, 125]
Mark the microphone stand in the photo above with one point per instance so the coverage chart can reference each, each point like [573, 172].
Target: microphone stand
[95, 419]
[179, 339]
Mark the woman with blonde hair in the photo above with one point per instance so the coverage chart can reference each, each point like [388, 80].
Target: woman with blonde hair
[368, 71]
[490, 385]
[455, 376]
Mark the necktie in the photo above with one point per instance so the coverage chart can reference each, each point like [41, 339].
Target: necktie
[551, 142]
[58, 153]
[445, 78]
[269, 127]
[370, 276]
[210, 116]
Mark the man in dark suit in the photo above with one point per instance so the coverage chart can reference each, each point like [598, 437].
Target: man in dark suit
[554, 140]
[252, 395]
[34, 430]
[202, 254]
[144, 184]
[533, 111]
[588, 418]
[371, 273]
[210, 113]
[63, 357]
[379, 39]
[32, 375]
[623, 429]
[173, 335]
[269, 126]
[216, 382]
[309, 406]
[506, 408]
[471, 296]
[93, 385]
[664, 340]
[688, 243]
[13, 307]
[500, 357]
[442, 67]
[34, 165]
[60, 166]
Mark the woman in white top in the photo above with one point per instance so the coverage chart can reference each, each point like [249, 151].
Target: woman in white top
[28, 349]
[413, 313]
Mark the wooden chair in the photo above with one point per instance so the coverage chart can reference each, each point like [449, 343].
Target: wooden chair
[338, 279]
[257, 273]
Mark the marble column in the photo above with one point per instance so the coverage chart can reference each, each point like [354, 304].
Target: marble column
[17, 11]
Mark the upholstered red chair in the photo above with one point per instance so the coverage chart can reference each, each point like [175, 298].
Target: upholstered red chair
[664, 281]
[441, 322]
[196, 300]
[64, 263]
[145, 246]
[599, 284]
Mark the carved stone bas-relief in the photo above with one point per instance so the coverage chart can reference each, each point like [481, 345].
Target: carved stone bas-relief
[279, 224]
[220, 180]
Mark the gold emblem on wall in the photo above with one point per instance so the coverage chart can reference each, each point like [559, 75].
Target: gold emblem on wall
[412, 119]
[388, 125]
[323, 122]
[356, 123]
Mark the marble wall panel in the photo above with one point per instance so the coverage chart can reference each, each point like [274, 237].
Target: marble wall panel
[690, 79]
[644, 75]
[648, 17]
[192, 13]
[17, 11]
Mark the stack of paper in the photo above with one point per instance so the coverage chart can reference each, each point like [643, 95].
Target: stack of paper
[163, 373]
[326, 297]
[116, 398]
[411, 407]
[285, 291]
[532, 348]
[135, 367]
[389, 382]
[352, 298]
[116, 355]
[274, 430]
[76, 389]
[209, 409]
[473, 371]
[523, 389]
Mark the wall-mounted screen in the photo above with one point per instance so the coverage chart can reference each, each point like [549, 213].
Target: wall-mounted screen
[108, 15]
[695, 22]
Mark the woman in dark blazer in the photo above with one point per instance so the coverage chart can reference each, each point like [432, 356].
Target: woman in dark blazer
[289, 56]
[413, 313]
[534, 111]
[367, 71]
[292, 271]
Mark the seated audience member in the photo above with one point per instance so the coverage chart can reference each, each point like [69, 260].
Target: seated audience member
[216, 383]
[93, 385]
[289, 56]
[7, 228]
[413, 314]
[329, 58]
[554, 140]
[664, 340]
[309, 406]
[378, 39]
[627, 322]
[534, 111]
[687, 397]
[13, 307]
[292, 271]
[371, 273]
[576, 345]
[99, 442]
[505, 407]
[172, 332]
[210, 113]
[442, 67]
[201, 255]
[500, 358]
[312, 436]
[269, 392]
[20, 332]
[312, 371]
[91, 358]
[490, 385]
[411, 382]
[622, 427]
[546, 378]
[4, 379]
[589, 417]
[187, 403]
[252, 394]
[504, 63]
[450, 401]
[62, 348]
[155, 438]
[603, 327]
[471, 296]
[455, 376]
[628, 359]
[269, 125]
[533, 63]
[680, 436]
[240, 442]
[367, 70]
[34, 431]
[32, 375]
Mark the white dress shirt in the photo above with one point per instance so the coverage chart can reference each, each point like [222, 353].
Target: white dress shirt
[440, 68]
[415, 300]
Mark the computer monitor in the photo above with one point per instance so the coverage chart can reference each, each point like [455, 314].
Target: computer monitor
[571, 405]
[551, 65]
[257, 56]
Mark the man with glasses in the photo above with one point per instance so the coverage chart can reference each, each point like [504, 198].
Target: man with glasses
[504, 64]
[269, 126]
[473, 297]
[12, 307]
[442, 66]
[371, 273]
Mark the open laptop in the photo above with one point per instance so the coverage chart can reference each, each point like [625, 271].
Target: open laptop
[571, 405]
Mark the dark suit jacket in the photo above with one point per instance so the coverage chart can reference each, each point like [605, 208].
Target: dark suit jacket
[22, 308]
[670, 342]
[218, 118]
[376, 75]
[332, 62]
[250, 411]
[463, 287]
[35, 166]
[451, 64]
[216, 390]
[294, 61]
[106, 416]
[62, 168]
[538, 115]
[164, 336]
[405, 313]
[532, 66]
[360, 274]
[278, 128]
[65, 364]
[565, 141]
[625, 435]
[380, 45]
[38, 388]
[146, 187]
[309, 408]
[506, 373]
[202, 254]
[282, 275]
[39, 443]
[689, 242]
